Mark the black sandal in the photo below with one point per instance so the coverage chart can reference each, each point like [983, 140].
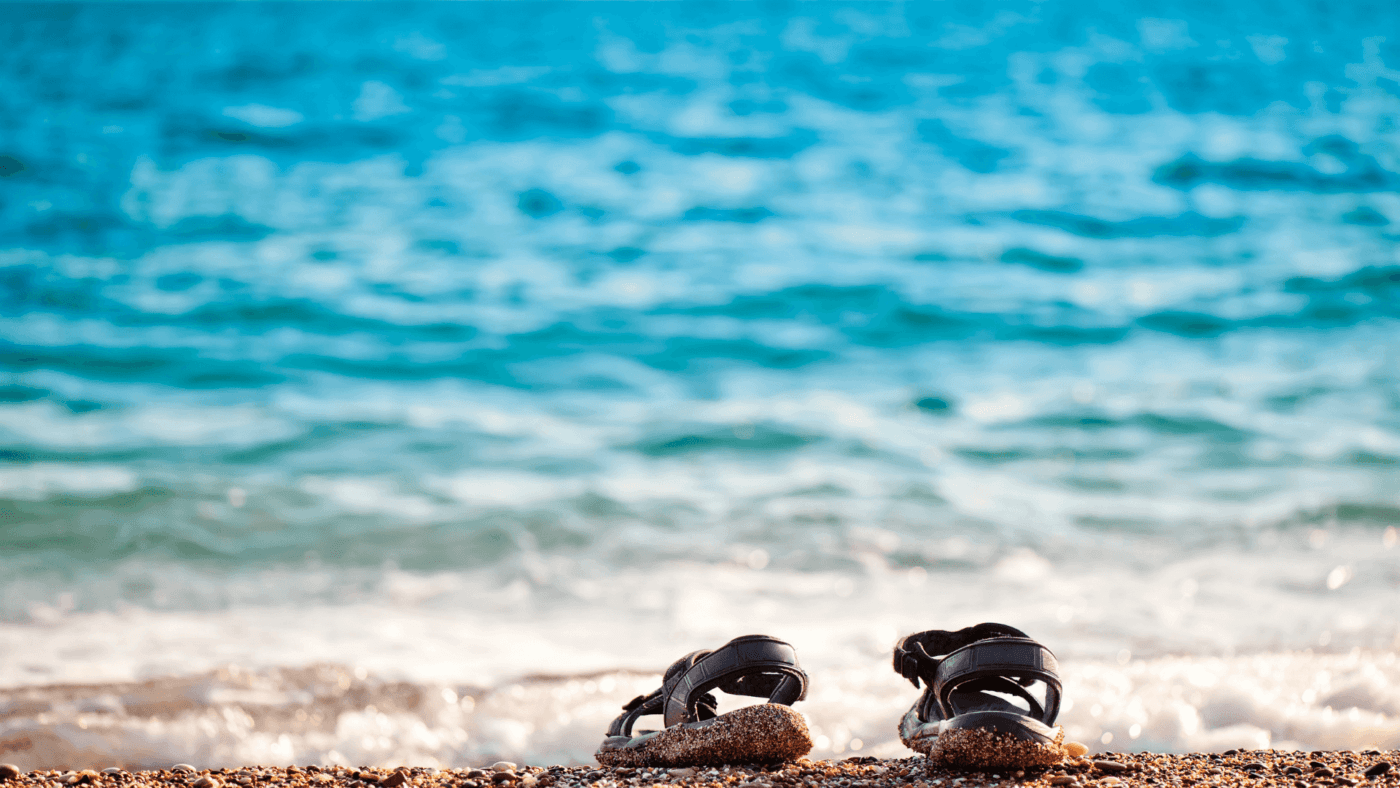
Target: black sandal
[977, 710]
[755, 665]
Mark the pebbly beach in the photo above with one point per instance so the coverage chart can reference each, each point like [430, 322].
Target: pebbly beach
[1253, 768]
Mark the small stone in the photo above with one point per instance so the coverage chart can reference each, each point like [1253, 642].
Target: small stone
[205, 782]
[1110, 781]
[529, 781]
[1300, 784]
[681, 774]
[503, 766]
[1347, 781]
[1377, 770]
[1324, 772]
[87, 776]
[1114, 766]
[183, 767]
[1292, 770]
[394, 780]
[323, 778]
[1061, 779]
[9, 771]
[1075, 749]
[501, 778]
[1253, 766]
[113, 770]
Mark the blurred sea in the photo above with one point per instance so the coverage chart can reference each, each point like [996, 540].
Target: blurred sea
[410, 383]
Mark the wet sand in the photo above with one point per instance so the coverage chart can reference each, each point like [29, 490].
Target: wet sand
[1122, 770]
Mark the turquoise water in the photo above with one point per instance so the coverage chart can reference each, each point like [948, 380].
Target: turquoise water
[500, 317]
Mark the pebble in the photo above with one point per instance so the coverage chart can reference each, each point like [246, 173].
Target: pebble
[394, 780]
[1138, 770]
[1324, 772]
[503, 766]
[1076, 749]
[183, 767]
[1292, 770]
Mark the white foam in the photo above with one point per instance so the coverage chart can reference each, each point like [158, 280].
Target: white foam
[333, 714]
[43, 480]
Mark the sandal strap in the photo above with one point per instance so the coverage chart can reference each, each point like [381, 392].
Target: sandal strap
[1006, 661]
[639, 706]
[919, 655]
[755, 665]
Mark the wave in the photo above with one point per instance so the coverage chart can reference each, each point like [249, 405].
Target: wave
[336, 714]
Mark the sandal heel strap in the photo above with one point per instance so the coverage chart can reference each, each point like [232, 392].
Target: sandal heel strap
[1011, 663]
[917, 656]
[755, 665]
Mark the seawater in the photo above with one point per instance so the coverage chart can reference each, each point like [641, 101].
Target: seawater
[412, 383]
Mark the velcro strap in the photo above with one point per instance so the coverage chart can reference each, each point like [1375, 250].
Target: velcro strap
[998, 656]
[918, 656]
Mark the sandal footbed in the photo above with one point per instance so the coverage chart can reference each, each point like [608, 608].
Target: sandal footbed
[758, 733]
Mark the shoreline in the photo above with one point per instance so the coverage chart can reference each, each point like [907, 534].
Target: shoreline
[1291, 769]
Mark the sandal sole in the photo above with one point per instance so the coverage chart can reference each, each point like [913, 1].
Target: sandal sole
[985, 740]
[758, 733]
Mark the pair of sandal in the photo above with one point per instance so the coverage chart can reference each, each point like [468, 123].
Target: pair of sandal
[991, 695]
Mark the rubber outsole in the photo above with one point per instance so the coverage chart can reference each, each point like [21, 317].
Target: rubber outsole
[985, 740]
[765, 732]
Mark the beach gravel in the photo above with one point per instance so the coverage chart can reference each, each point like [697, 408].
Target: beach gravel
[1234, 769]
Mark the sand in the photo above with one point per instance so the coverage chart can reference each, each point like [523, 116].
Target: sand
[1254, 768]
